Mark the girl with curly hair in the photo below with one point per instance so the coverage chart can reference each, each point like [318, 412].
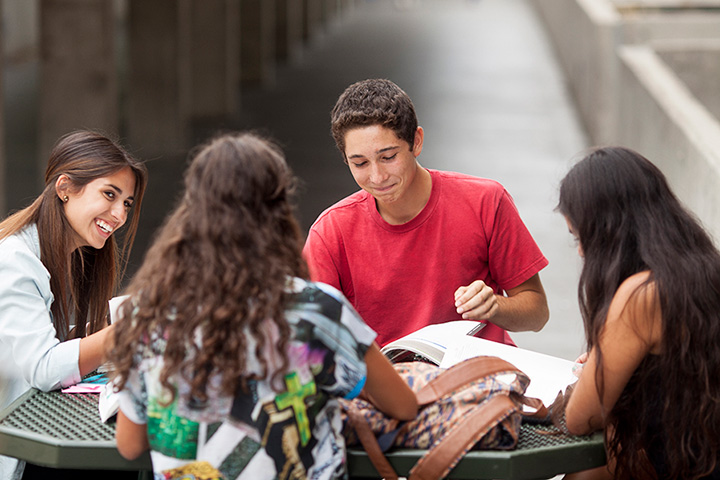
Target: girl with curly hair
[650, 299]
[60, 264]
[229, 361]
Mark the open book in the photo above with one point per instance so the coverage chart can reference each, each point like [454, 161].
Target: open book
[430, 343]
[446, 344]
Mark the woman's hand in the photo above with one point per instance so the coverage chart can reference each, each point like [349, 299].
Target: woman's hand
[92, 350]
[579, 364]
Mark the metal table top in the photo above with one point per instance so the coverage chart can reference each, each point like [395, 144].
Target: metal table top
[64, 431]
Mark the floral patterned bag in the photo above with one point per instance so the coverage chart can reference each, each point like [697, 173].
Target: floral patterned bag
[477, 403]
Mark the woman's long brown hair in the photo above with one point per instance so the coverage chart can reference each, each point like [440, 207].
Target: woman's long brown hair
[83, 282]
[218, 269]
[628, 221]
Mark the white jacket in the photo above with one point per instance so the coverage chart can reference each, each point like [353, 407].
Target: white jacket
[30, 353]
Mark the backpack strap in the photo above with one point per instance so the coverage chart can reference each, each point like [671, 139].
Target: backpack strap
[460, 375]
[441, 458]
[370, 443]
[541, 411]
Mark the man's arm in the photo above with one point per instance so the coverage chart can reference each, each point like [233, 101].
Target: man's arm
[524, 309]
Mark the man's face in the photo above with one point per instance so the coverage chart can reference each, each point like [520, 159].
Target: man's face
[381, 163]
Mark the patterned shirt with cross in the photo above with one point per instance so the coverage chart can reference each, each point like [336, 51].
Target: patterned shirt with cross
[263, 432]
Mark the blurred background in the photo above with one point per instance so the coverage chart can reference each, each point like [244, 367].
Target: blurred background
[511, 90]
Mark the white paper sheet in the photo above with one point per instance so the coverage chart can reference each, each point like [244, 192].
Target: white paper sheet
[548, 375]
[114, 305]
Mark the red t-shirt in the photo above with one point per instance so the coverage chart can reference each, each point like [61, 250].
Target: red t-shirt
[403, 277]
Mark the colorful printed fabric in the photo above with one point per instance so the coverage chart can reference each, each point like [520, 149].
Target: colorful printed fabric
[263, 433]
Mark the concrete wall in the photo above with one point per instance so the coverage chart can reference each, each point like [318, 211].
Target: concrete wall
[663, 118]
[79, 87]
[156, 114]
[587, 33]
[289, 29]
[211, 38]
[257, 42]
[697, 64]
[312, 17]
[20, 28]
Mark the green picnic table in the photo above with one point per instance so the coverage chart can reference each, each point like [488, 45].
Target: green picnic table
[61, 430]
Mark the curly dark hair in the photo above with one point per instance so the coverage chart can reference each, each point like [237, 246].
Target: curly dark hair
[373, 102]
[627, 220]
[219, 267]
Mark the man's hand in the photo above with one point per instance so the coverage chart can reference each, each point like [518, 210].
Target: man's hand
[523, 309]
[476, 301]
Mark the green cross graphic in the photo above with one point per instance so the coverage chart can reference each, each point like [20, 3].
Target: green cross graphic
[295, 398]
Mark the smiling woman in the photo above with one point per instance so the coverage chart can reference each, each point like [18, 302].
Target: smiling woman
[100, 208]
[59, 266]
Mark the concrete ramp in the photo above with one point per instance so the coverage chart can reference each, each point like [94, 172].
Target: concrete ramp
[587, 34]
[668, 110]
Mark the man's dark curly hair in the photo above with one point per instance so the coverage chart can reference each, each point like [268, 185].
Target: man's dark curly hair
[373, 102]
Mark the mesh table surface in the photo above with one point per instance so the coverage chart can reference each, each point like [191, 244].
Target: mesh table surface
[64, 431]
[65, 417]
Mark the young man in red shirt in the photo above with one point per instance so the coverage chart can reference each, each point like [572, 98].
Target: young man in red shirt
[415, 246]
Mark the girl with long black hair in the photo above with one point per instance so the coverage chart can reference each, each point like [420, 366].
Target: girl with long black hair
[649, 296]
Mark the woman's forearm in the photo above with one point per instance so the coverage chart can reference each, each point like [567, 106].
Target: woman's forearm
[92, 350]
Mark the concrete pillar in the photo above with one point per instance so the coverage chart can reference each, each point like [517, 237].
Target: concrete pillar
[289, 29]
[157, 77]
[330, 10]
[79, 87]
[345, 6]
[312, 17]
[257, 42]
[213, 46]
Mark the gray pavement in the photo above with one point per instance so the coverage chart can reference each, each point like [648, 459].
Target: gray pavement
[489, 95]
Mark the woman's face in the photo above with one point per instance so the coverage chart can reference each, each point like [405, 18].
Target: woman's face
[572, 231]
[100, 208]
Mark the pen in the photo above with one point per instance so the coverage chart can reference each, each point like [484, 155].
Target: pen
[476, 329]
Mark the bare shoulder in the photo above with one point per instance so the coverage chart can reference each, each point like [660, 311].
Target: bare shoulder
[636, 306]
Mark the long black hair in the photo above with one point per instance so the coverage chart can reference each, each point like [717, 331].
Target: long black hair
[627, 220]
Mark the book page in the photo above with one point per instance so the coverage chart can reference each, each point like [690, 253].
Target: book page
[548, 375]
[114, 306]
[432, 341]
